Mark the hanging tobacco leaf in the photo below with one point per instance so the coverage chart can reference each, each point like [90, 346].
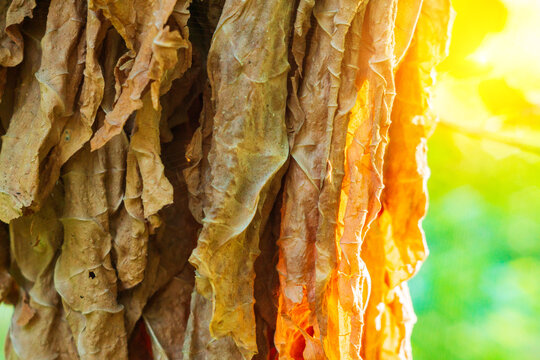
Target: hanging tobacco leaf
[214, 179]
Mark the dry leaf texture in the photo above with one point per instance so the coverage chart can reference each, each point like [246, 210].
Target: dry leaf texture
[214, 179]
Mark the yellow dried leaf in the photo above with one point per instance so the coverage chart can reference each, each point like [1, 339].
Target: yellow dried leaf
[35, 240]
[249, 147]
[145, 146]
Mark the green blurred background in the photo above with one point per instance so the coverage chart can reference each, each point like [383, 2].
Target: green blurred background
[478, 294]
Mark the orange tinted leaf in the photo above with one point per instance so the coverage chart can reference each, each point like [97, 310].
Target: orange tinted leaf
[395, 246]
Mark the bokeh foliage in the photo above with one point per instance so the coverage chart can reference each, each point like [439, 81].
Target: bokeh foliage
[476, 297]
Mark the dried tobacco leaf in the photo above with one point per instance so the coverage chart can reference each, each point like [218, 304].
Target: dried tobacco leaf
[78, 128]
[198, 174]
[147, 188]
[130, 241]
[331, 188]
[172, 302]
[140, 23]
[166, 64]
[157, 191]
[170, 247]
[37, 127]
[35, 240]
[406, 20]
[199, 343]
[12, 13]
[84, 275]
[249, 147]
[129, 235]
[348, 292]
[24, 109]
[313, 111]
[302, 26]
[395, 247]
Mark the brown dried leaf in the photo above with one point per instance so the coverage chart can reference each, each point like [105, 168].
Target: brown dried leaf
[406, 19]
[133, 210]
[199, 343]
[84, 275]
[140, 23]
[78, 129]
[170, 248]
[12, 13]
[302, 25]
[49, 326]
[197, 175]
[130, 229]
[172, 53]
[42, 111]
[166, 315]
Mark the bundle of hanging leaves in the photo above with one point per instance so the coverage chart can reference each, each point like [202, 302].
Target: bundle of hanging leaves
[214, 179]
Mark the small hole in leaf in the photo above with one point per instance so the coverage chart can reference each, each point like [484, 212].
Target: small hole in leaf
[91, 275]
